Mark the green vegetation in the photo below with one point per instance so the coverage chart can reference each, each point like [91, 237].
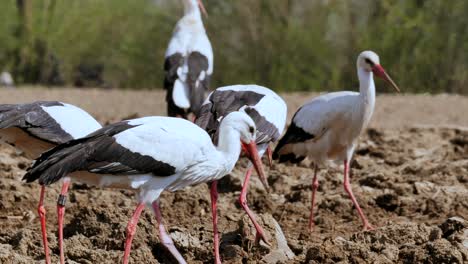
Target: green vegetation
[287, 45]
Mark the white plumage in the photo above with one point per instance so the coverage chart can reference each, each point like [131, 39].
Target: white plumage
[180, 144]
[328, 127]
[6, 79]
[190, 36]
[73, 120]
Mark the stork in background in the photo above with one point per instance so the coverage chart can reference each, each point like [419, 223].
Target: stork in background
[36, 127]
[6, 80]
[267, 109]
[328, 127]
[150, 155]
[188, 63]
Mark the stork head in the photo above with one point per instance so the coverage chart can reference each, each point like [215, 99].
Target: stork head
[370, 62]
[242, 123]
[191, 5]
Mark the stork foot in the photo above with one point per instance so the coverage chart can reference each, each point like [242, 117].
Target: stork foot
[367, 227]
[311, 227]
[261, 236]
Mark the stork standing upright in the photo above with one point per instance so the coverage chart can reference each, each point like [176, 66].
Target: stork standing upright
[265, 107]
[328, 127]
[150, 155]
[6, 80]
[36, 127]
[188, 63]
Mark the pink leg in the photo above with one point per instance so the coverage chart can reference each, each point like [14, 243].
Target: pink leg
[61, 212]
[269, 155]
[243, 201]
[42, 214]
[214, 199]
[165, 238]
[347, 187]
[131, 229]
[315, 185]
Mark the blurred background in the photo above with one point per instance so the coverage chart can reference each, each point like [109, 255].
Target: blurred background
[287, 45]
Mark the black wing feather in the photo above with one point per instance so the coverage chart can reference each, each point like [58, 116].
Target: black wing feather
[266, 131]
[32, 119]
[197, 64]
[98, 153]
[294, 134]
[171, 64]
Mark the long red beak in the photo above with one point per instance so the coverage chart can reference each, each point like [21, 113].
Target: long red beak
[252, 154]
[380, 72]
[202, 8]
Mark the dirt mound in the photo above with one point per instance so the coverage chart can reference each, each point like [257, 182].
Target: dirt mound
[404, 243]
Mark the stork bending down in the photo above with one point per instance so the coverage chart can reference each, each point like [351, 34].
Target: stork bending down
[36, 127]
[268, 111]
[145, 155]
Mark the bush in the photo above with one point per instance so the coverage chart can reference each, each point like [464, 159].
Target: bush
[286, 45]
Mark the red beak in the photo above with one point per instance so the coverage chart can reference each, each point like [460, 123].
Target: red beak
[380, 72]
[202, 8]
[252, 154]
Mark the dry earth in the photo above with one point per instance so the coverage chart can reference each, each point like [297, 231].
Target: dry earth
[410, 175]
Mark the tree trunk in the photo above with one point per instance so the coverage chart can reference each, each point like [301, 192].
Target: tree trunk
[24, 56]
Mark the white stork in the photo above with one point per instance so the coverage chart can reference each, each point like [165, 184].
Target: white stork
[267, 109]
[328, 127]
[150, 155]
[188, 64]
[36, 127]
[7, 80]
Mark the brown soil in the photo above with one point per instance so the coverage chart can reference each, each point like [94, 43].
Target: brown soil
[410, 175]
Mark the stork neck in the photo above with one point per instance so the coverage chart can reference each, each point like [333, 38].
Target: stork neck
[367, 94]
[192, 10]
[229, 145]
[366, 84]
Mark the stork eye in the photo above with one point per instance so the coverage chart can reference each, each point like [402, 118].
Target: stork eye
[251, 130]
[368, 61]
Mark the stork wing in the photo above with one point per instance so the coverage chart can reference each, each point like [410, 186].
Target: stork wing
[171, 64]
[222, 102]
[198, 79]
[54, 122]
[316, 117]
[149, 145]
[266, 131]
[266, 109]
